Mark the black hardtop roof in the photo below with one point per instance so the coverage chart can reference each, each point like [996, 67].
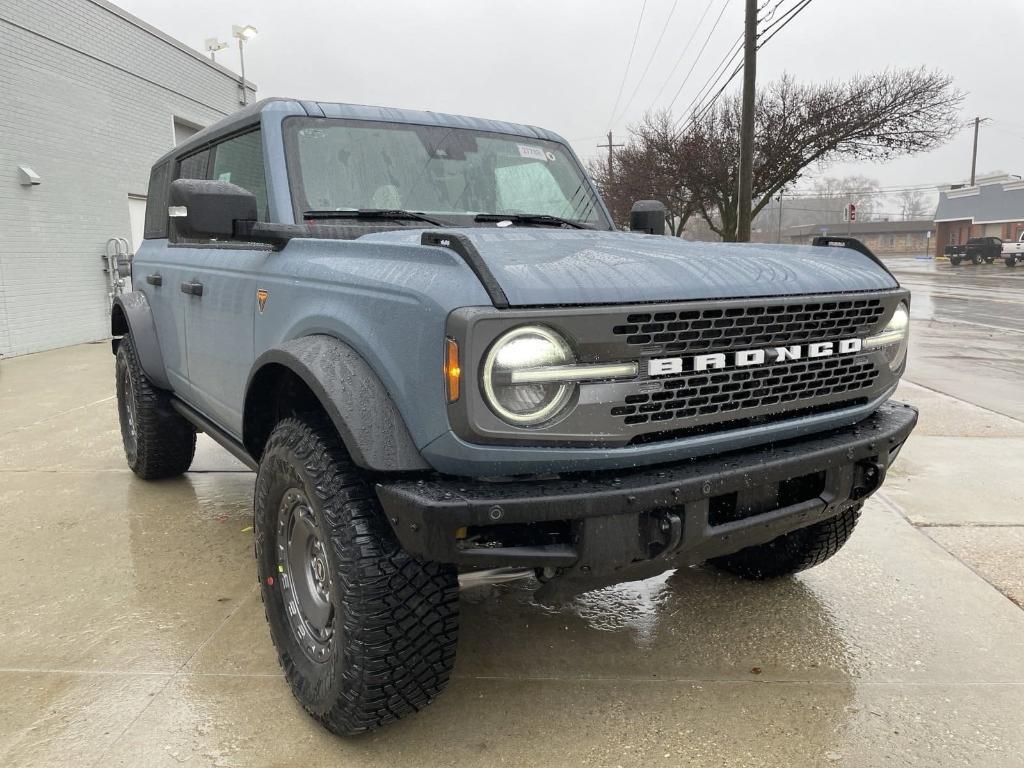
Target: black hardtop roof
[250, 115]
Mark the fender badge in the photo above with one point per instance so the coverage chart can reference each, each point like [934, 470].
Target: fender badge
[261, 298]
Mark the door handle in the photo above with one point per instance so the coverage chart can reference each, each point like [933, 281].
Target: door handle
[156, 279]
[192, 289]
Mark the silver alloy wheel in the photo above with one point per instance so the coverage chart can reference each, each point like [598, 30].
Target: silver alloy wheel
[304, 573]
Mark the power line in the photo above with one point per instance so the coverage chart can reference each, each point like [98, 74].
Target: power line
[682, 53]
[773, 28]
[782, 22]
[699, 53]
[657, 44]
[629, 61]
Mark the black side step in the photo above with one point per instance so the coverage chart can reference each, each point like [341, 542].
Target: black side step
[222, 438]
[463, 246]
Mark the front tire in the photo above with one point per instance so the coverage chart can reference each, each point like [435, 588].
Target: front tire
[158, 441]
[794, 551]
[365, 632]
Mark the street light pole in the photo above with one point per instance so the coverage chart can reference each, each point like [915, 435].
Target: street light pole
[779, 238]
[241, 59]
[248, 32]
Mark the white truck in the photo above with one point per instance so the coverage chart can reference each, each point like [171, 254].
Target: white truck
[1013, 251]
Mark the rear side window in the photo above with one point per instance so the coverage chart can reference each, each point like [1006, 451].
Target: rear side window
[156, 206]
[240, 161]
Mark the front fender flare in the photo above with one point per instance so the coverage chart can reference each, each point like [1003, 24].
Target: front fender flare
[132, 314]
[367, 419]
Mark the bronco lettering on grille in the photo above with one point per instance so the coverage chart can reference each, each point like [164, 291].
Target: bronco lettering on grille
[664, 366]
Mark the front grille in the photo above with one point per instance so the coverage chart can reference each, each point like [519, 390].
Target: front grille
[717, 328]
[739, 390]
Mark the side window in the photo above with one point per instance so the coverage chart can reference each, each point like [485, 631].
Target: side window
[194, 166]
[156, 209]
[240, 161]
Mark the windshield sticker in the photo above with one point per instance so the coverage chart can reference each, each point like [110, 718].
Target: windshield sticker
[532, 153]
[225, 176]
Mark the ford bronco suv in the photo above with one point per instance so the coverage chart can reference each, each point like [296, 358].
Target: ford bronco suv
[426, 336]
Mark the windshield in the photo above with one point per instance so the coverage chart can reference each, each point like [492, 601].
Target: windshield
[452, 174]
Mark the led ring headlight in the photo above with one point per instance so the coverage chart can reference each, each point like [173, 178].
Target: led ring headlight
[532, 402]
[894, 338]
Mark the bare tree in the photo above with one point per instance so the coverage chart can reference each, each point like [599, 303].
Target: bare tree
[871, 117]
[834, 194]
[650, 167]
[914, 204]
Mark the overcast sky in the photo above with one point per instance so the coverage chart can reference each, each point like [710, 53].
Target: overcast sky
[560, 63]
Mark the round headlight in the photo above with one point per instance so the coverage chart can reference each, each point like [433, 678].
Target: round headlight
[526, 404]
[894, 338]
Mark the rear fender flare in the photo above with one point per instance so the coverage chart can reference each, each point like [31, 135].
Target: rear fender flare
[132, 314]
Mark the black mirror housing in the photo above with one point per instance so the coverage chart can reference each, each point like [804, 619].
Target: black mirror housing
[201, 209]
[647, 216]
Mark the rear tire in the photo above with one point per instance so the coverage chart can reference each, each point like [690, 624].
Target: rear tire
[1011, 261]
[792, 552]
[158, 441]
[977, 258]
[365, 632]
[954, 260]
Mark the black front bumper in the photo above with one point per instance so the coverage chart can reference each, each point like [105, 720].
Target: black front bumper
[617, 526]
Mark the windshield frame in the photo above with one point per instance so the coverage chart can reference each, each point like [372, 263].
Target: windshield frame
[291, 125]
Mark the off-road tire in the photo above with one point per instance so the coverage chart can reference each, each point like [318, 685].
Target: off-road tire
[954, 260]
[394, 619]
[161, 443]
[977, 258]
[792, 552]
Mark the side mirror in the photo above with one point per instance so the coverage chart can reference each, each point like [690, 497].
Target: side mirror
[201, 209]
[647, 216]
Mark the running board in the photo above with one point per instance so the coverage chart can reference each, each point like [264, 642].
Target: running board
[222, 438]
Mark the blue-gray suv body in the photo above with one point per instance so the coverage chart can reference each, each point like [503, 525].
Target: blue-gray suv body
[428, 338]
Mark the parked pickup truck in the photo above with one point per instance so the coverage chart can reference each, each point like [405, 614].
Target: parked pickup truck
[977, 250]
[1013, 252]
[441, 358]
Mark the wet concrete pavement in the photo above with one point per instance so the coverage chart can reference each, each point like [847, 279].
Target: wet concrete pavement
[132, 633]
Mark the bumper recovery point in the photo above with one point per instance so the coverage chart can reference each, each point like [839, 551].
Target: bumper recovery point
[602, 528]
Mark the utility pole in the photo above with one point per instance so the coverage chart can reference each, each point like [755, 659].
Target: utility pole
[746, 169]
[611, 163]
[974, 152]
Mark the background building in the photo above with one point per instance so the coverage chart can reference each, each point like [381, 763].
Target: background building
[993, 207]
[90, 96]
[885, 238]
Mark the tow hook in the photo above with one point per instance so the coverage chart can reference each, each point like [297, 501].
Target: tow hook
[670, 525]
[867, 478]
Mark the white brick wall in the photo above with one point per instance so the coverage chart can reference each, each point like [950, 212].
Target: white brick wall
[87, 100]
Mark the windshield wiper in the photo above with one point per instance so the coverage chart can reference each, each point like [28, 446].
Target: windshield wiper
[543, 219]
[395, 214]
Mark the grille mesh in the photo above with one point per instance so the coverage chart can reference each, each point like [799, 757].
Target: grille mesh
[741, 389]
[751, 326]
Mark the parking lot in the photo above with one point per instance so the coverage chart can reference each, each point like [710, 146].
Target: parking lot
[134, 633]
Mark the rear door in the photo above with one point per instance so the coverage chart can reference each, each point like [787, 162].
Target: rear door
[219, 285]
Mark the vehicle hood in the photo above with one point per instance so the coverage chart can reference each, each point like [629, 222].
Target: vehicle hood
[537, 267]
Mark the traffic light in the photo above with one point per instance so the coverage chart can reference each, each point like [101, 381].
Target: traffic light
[853, 211]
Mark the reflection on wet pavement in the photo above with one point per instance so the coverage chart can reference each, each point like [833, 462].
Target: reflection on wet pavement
[133, 634]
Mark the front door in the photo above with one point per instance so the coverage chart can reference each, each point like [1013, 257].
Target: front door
[219, 287]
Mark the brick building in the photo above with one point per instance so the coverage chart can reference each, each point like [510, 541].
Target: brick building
[993, 207]
[90, 96]
[885, 238]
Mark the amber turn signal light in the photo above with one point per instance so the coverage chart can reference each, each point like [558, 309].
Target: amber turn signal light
[452, 371]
